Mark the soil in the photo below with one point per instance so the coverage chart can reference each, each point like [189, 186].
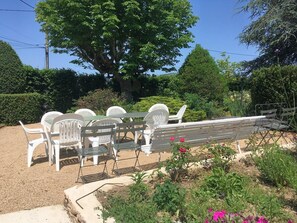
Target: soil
[24, 188]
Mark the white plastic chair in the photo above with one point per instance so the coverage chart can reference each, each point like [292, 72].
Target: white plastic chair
[32, 144]
[158, 106]
[69, 126]
[102, 140]
[114, 110]
[46, 121]
[153, 119]
[179, 115]
[85, 112]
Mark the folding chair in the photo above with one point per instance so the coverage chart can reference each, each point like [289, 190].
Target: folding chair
[287, 118]
[265, 126]
[105, 133]
[123, 142]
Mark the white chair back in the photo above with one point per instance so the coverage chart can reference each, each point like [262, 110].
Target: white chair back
[85, 112]
[155, 118]
[49, 116]
[69, 126]
[158, 106]
[114, 110]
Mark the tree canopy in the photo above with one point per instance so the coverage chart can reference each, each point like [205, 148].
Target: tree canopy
[11, 77]
[124, 38]
[273, 30]
[200, 75]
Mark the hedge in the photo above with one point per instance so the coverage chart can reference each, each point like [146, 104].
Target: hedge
[24, 107]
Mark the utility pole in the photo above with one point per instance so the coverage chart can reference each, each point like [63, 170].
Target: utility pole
[46, 52]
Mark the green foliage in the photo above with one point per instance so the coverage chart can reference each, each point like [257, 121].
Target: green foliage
[35, 82]
[275, 85]
[200, 75]
[122, 210]
[207, 109]
[89, 82]
[174, 104]
[238, 103]
[123, 38]
[266, 204]
[222, 156]
[99, 100]
[177, 165]
[272, 30]
[139, 190]
[24, 107]
[277, 166]
[11, 77]
[61, 88]
[169, 197]
[224, 185]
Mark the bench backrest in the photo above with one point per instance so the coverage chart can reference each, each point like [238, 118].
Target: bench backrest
[203, 132]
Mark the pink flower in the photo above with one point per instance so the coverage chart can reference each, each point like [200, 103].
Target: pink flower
[219, 215]
[206, 221]
[172, 139]
[182, 150]
[290, 221]
[182, 139]
[262, 220]
[210, 210]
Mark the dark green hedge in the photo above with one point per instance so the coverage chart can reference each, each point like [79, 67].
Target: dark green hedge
[275, 84]
[24, 107]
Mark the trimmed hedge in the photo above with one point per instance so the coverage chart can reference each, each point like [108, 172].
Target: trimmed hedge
[275, 85]
[24, 107]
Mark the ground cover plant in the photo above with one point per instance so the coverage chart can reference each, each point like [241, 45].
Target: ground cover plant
[222, 191]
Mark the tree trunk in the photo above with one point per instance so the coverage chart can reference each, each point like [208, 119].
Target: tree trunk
[126, 87]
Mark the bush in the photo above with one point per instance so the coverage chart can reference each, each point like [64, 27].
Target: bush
[277, 166]
[61, 88]
[11, 77]
[173, 104]
[275, 85]
[200, 75]
[99, 100]
[24, 107]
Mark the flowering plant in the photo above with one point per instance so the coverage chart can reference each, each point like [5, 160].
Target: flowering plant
[177, 166]
[223, 216]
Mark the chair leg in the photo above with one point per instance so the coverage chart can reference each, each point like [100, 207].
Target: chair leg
[30, 154]
[137, 152]
[57, 157]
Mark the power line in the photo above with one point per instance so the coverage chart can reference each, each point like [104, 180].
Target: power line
[16, 10]
[27, 4]
[30, 44]
[239, 54]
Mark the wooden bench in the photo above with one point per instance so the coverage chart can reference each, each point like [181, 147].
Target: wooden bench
[203, 132]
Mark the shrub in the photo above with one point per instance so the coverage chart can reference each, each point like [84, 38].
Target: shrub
[200, 75]
[277, 166]
[61, 88]
[24, 107]
[275, 84]
[99, 100]
[223, 185]
[174, 104]
[169, 197]
[222, 156]
[11, 77]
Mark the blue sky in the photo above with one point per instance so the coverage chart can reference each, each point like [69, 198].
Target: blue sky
[217, 30]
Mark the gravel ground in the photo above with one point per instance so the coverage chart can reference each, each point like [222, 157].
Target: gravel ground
[24, 188]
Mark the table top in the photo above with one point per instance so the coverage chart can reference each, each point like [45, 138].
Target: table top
[129, 115]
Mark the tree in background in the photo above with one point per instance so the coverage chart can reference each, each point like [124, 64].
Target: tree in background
[11, 78]
[273, 30]
[121, 38]
[200, 75]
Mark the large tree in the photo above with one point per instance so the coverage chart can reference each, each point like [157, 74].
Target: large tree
[273, 30]
[121, 38]
[200, 75]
